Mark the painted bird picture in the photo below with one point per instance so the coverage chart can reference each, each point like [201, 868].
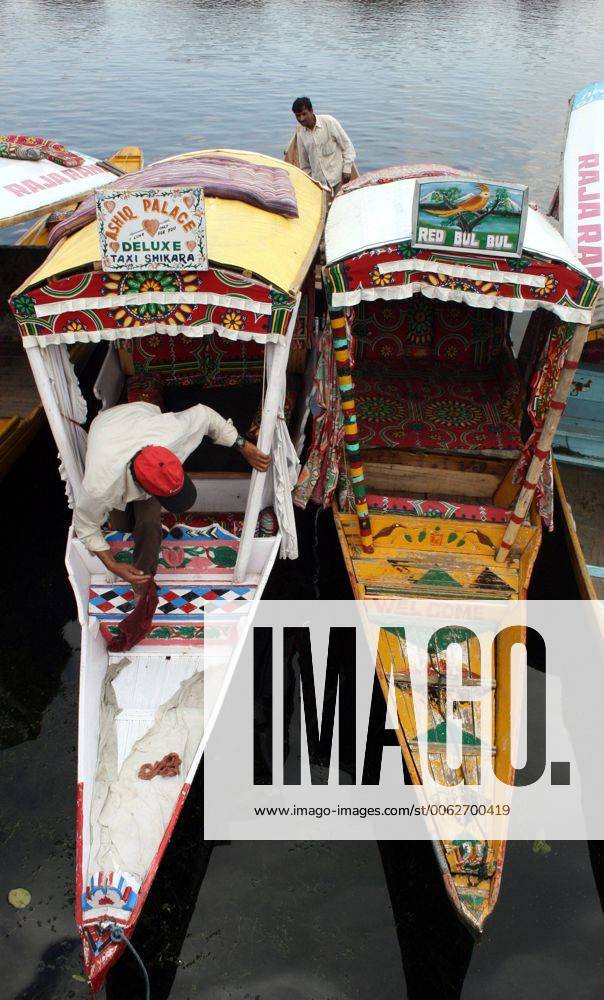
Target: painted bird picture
[471, 202]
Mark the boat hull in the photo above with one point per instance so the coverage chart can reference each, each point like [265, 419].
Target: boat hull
[421, 557]
[105, 898]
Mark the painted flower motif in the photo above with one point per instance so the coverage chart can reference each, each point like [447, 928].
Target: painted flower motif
[152, 281]
[406, 251]
[434, 279]
[379, 279]
[147, 281]
[172, 557]
[377, 409]
[460, 285]
[452, 412]
[420, 324]
[487, 288]
[150, 285]
[280, 300]
[233, 320]
[518, 263]
[548, 288]
[73, 326]
[152, 312]
[24, 306]
[180, 314]
[432, 512]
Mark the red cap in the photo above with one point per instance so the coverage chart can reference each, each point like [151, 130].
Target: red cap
[158, 471]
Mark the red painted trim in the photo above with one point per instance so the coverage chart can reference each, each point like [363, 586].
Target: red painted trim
[98, 968]
[79, 875]
[362, 271]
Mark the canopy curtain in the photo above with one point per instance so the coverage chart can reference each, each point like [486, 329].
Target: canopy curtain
[319, 476]
[72, 408]
[543, 384]
[286, 467]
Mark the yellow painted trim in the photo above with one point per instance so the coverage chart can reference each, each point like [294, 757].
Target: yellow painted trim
[275, 249]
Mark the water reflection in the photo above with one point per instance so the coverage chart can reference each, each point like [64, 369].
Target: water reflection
[467, 83]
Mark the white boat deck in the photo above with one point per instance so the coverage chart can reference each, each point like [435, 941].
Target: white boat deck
[147, 682]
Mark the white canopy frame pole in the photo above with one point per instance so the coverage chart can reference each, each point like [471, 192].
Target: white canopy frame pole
[55, 419]
[272, 402]
[544, 444]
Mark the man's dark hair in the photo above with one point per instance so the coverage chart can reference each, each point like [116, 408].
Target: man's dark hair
[300, 104]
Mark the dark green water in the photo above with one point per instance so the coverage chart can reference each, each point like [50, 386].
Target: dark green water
[478, 85]
[284, 920]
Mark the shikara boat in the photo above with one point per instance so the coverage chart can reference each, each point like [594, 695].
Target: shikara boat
[417, 443]
[34, 190]
[223, 336]
[579, 442]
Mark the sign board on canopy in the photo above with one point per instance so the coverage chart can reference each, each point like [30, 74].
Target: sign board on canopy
[582, 188]
[469, 216]
[31, 187]
[155, 230]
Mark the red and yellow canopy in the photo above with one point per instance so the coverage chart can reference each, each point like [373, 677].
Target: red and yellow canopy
[258, 261]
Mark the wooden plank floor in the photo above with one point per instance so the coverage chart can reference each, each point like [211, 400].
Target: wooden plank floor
[584, 489]
[18, 393]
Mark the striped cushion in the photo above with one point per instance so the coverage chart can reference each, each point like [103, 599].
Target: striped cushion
[269, 188]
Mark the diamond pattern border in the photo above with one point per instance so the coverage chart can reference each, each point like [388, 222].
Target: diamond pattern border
[111, 603]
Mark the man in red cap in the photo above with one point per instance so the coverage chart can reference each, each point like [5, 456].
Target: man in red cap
[134, 468]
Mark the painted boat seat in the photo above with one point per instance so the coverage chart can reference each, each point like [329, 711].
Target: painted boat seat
[482, 513]
[196, 561]
[229, 521]
[179, 619]
[424, 406]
